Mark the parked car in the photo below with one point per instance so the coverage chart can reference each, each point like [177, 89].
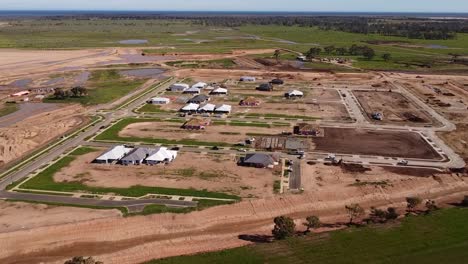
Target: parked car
[215, 148]
[403, 162]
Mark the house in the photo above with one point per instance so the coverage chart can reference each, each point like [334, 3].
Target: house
[250, 101]
[190, 108]
[301, 58]
[137, 156]
[265, 87]
[294, 94]
[219, 91]
[259, 160]
[178, 87]
[377, 116]
[307, 129]
[192, 90]
[162, 155]
[199, 99]
[112, 155]
[247, 79]
[196, 124]
[223, 109]
[199, 85]
[277, 81]
[159, 100]
[18, 94]
[207, 108]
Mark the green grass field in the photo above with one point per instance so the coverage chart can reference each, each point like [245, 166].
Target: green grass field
[8, 109]
[45, 181]
[104, 86]
[431, 239]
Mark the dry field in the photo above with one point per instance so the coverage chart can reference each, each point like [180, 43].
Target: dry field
[396, 108]
[212, 133]
[25, 136]
[458, 140]
[379, 143]
[213, 172]
[22, 216]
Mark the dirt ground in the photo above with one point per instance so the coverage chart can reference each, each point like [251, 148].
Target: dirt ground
[457, 140]
[21, 138]
[212, 133]
[217, 173]
[22, 216]
[135, 240]
[396, 108]
[380, 143]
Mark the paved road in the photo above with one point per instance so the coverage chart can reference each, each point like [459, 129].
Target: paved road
[295, 176]
[135, 205]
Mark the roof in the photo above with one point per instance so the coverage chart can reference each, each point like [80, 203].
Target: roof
[259, 158]
[207, 107]
[251, 99]
[306, 126]
[192, 89]
[162, 154]
[219, 90]
[190, 107]
[114, 153]
[243, 78]
[223, 108]
[199, 98]
[265, 86]
[180, 85]
[199, 85]
[138, 154]
[295, 92]
[160, 99]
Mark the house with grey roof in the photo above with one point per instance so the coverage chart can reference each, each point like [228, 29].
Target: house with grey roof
[137, 156]
[259, 160]
[199, 99]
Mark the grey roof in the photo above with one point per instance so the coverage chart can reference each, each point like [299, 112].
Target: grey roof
[199, 98]
[139, 154]
[259, 158]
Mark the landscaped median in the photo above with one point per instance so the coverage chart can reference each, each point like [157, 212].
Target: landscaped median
[44, 181]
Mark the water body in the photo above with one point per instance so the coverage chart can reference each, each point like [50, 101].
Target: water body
[26, 110]
[133, 41]
[82, 78]
[143, 73]
[22, 83]
[435, 46]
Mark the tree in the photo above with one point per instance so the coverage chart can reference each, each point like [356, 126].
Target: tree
[464, 202]
[82, 260]
[284, 227]
[313, 52]
[412, 203]
[386, 56]
[431, 206]
[354, 211]
[341, 51]
[381, 216]
[59, 93]
[329, 49]
[312, 222]
[277, 54]
[392, 214]
[78, 91]
[368, 53]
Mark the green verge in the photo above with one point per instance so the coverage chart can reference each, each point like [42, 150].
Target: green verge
[8, 108]
[161, 209]
[151, 108]
[45, 181]
[431, 239]
[121, 209]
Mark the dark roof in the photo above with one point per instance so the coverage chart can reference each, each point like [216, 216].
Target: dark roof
[199, 98]
[277, 81]
[265, 86]
[259, 158]
[139, 154]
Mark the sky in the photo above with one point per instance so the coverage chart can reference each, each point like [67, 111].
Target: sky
[434, 6]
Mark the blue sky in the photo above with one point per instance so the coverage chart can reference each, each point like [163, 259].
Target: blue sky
[243, 5]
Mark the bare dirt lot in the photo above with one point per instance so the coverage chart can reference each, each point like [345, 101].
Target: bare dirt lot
[25, 136]
[134, 240]
[458, 139]
[396, 108]
[212, 133]
[21, 216]
[217, 173]
[380, 143]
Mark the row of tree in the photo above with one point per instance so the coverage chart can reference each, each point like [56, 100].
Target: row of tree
[355, 50]
[77, 91]
[285, 226]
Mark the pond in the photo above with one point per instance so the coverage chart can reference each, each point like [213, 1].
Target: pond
[133, 41]
[21, 83]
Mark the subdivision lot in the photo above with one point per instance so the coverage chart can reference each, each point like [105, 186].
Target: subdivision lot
[396, 108]
[372, 142]
[210, 172]
[213, 133]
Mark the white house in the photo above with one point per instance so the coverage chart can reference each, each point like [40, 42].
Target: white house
[113, 154]
[225, 109]
[207, 108]
[219, 90]
[162, 155]
[190, 108]
[247, 79]
[159, 100]
[179, 87]
[199, 85]
[294, 93]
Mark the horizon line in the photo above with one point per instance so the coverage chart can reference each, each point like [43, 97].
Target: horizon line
[230, 11]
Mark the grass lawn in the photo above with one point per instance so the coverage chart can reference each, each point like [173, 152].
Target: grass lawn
[151, 108]
[8, 109]
[45, 181]
[221, 63]
[104, 86]
[432, 239]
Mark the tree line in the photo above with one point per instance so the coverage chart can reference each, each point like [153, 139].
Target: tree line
[77, 91]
